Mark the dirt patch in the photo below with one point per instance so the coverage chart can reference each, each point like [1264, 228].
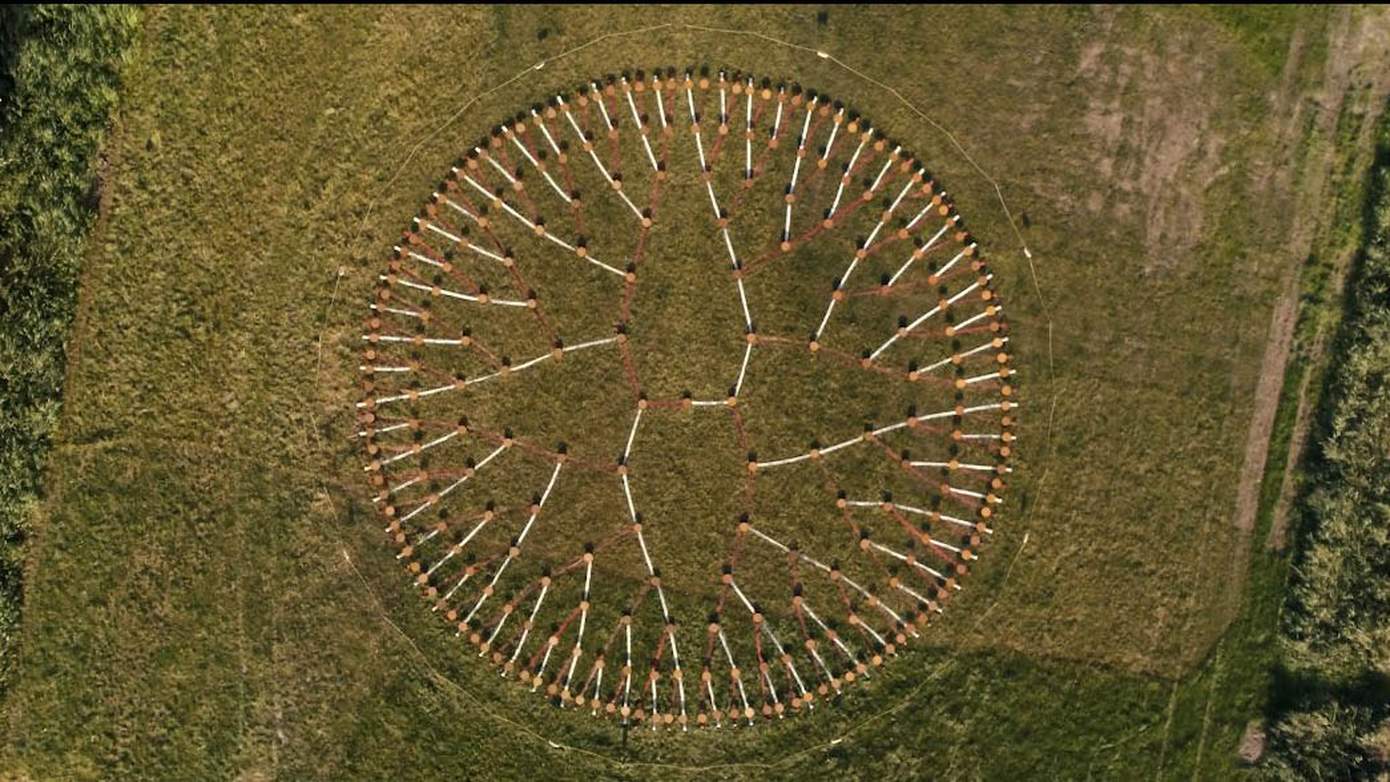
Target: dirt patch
[1158, 153]
[1285, 103]
[1266, 404]
[1298, 441]
[1252, 743]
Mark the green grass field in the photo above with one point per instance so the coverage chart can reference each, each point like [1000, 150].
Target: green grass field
[208, 591]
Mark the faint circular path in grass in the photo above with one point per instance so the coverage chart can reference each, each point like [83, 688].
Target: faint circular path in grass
[687, 398]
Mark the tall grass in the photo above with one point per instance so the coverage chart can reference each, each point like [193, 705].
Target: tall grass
[59, 69]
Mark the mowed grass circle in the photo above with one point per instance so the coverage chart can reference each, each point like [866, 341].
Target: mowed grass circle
[687, 398]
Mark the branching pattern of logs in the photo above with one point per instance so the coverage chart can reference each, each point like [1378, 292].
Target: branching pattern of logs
[517, 284]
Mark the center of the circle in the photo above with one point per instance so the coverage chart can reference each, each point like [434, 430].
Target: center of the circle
[686, 328]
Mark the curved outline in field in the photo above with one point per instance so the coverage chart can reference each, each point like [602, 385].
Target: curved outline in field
[828, 629]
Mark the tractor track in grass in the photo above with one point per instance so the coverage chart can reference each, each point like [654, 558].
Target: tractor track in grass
[1356, 47]
[1353, 55]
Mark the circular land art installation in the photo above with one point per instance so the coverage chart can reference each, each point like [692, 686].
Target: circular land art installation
[687, 399]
